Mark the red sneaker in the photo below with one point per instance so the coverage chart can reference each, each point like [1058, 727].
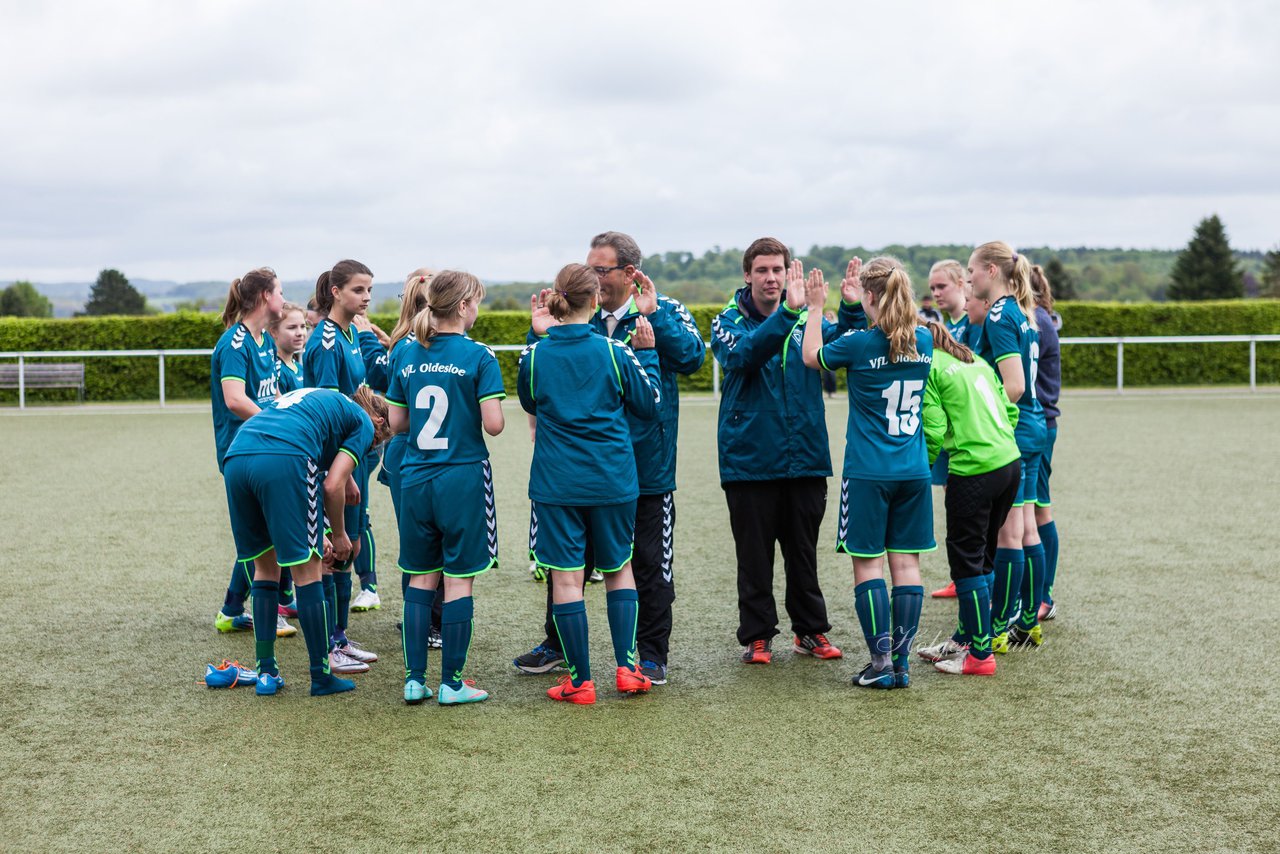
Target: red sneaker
[948, 592]
[583, 695]
[757, 652]
[816, 645]
[633, 681]
[967, 665]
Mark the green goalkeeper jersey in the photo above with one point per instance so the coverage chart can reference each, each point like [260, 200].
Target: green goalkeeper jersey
[967, 412]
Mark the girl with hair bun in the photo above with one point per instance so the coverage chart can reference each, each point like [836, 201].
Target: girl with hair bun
[1010, 342]
[445, 390]
[885, 481]
[242, 380]
[582, 482]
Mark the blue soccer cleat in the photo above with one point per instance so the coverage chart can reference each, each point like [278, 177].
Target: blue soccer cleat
[468, 693]
[228, 674]
[415, 692]
[869, 677]
[268, 684]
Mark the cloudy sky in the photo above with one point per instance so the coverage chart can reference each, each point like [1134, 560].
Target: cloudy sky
[196, 140]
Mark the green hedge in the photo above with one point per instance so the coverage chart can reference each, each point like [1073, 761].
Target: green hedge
[187, 377]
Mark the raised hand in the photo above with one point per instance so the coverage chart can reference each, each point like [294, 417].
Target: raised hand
[795, 286]
[851, 285]
[642, 338]
[647, 298]
[541, 319]
[362, 323]
[815, 288]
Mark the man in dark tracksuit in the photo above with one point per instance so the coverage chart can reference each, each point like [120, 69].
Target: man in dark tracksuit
[774, 454]
[615, 257]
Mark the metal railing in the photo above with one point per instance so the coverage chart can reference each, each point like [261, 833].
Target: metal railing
[1119, 342]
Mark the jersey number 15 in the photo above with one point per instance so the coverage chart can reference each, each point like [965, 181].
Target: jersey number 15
[902, 406]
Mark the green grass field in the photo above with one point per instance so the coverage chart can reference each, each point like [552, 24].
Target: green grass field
[1148, 721]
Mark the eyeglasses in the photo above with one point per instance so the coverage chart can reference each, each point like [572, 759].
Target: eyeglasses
[604, 271]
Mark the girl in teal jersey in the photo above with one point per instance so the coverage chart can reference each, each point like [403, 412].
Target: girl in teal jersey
[333, 360]
[242, 380]
[886, 506]
[1010, 342]
[445, 390]
[290, 333]
[582, 481]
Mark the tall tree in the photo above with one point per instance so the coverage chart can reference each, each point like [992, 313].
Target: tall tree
[1206, 269]
[21, 299]
[112, 294]
[1271, 274]
[1060, 281]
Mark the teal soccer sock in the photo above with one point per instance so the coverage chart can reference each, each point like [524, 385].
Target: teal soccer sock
[417, 622]
[315, 631]
[286, 585]
[905, 606]
[457, 622]
[1032, 586]
[975, 614]
[238, 588]
[871, 601]
[266, 601]
[571, 625]
[330, 606]
[367, 562]
[342, 601]
[1008, 582]
[1049, 538]
[624, 611]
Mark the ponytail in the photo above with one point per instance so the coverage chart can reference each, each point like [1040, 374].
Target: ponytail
[412, 300]
[943, 341]
[449, 289]
[1014, 271]
[246, 293]
[324, 297]
[1041, 289]
[896, 310]
[338, 277]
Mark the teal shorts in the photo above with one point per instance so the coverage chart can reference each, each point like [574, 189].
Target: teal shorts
[1042, 498]
[885, 515]
[1028, 492]
[448, 522]
[558, 535]
[275, 501]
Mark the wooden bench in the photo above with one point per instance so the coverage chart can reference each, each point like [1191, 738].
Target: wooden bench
[45, 375]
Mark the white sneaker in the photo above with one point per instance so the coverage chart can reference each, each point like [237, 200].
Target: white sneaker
[945, 651]
[366, 600]
[351, 649]
[434, 640]
[283, 629]
[596, 577]
[340, 662]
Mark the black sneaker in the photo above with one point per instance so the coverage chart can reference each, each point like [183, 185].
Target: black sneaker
[540, 659]
[656, 672]
[434, 641]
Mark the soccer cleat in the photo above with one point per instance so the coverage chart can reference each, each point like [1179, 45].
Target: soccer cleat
[901, 679]
[354, 650]
[1026, 637]
[415, 692]
[869, 677]
[340, 662]
[632, 681]
[816, 645]
[1048, 611]
[536, 572]
[944, 651]
[948, 592]
[595, 577]
[366, 600]
[330, 684]
[268, 684]
[238, 623]
[228, 674]
[468, 693]
[1000, 643]
[564, 691]
[656, 672]
[283, 629]
[540, 659]
[758, 652]
[288, 610]
[434, 640]
[967, 665]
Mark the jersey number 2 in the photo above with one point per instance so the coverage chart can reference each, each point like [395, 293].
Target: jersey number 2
[433, 400]
[902, 406]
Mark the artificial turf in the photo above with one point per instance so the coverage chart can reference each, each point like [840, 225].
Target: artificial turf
[1147, 722]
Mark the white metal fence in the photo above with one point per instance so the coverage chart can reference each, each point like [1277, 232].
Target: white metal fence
[1119, 342]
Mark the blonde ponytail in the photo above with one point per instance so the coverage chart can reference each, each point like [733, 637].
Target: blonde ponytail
[1014, 271]
[448, 290]
[896, 309]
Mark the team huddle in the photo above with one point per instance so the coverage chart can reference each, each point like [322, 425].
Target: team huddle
[301, 421]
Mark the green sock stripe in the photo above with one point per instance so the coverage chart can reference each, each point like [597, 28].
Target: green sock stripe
[871, 609]
[404, 635]
[325, 602]
[471, 636]
[564, 649]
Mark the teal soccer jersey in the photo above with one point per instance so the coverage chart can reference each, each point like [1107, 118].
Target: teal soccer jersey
[959, 329]
[333, 358]
[442, 386]
[315, 423]
[578, 383]
[288, 378]
[1006, 333]
[238, 357]
[884, 440]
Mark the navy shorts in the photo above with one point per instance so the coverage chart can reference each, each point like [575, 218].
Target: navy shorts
[885, 515]
[275, 501]
[448, 522]
[1046, 469]
[558, 535]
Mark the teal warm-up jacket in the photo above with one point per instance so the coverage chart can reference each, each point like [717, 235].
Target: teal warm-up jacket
[772, 421]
